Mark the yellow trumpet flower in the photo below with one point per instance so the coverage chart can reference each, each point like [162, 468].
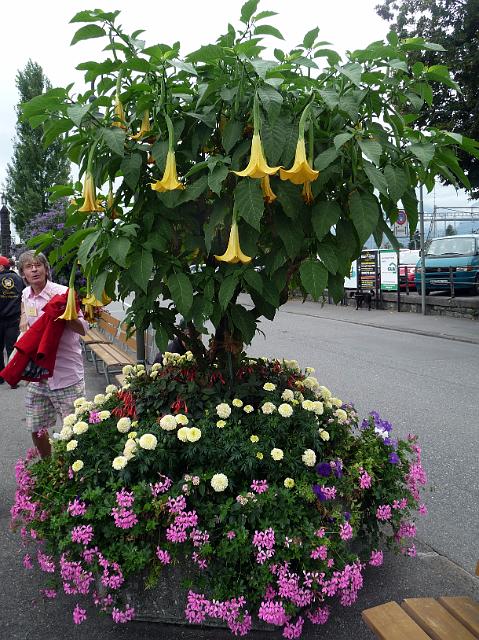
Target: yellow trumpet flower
[119, 114]
[307, 193]
[233, 253]
[89, 313]
[169, 182]
[301, 170]
[70, 312]
[268, 194]
[144, 127]
[257, 165]
[90, 203]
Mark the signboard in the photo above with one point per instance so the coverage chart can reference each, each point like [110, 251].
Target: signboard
[401, 226]
[402, 217]
[351, 282]
[368, 277]
[388, 262]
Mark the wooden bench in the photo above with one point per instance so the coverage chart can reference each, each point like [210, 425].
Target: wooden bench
[110, 358]
[105, 332]
[445, 618]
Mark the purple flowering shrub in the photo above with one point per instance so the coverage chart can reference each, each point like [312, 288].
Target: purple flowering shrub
[265, 486]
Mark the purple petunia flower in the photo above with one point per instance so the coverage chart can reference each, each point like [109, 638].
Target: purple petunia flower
[323, 469]
[394, 458]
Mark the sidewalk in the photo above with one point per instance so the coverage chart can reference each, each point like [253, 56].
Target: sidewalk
[23, 612]
[459, 329]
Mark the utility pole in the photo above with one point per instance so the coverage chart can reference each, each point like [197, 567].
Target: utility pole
[421, 246]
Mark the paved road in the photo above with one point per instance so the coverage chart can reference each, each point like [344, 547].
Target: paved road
[378, 360]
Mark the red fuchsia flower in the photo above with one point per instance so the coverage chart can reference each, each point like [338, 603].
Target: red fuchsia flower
[383, 512]
[79, 614]
[128, 408]
[376, 558]
[179, 406]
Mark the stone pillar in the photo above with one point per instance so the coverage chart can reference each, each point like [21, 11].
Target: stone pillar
[5, 235]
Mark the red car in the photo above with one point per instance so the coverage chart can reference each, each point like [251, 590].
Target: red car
[407, 264]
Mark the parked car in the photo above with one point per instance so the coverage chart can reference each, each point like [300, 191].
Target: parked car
[408, 259]
[451, 257]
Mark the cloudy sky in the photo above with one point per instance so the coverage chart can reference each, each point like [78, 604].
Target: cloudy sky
[40, 31]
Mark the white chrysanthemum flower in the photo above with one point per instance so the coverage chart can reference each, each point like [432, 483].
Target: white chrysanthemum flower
[194, 434]
[248, 408]
[220, 424]
[148, 441]
[140, 373]
[153, 374]
[268, 408]
[80, 427]
[182, 434]
[104, 415]
[254, 438]
[311, 382]
[236, 402]
[308, 405]
[123, 425]
[277, 454]
[77, 465]
[99, 399]
[132, 435]
[65, 434]
[79, 411]
[156, 366]
[69, 421]
[309, 458]
[289, 483]
[318, 407]
[130, 445]
[126, 386]
[309, 370]
[269, 386]
[78, 402]
[127, 369]
[291, 364]
[111, 388]
[168, 423]
[73, 444]
[324, 392]
[223, 410]
[336, 402]
[324, 435]
[285, 410]
[108, 396]
[181, 419]
[219, 482]
[119, 463]
[287, 395]
[189, 356]
[341, 415]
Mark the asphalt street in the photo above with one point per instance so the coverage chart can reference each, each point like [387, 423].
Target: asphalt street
[422, 374]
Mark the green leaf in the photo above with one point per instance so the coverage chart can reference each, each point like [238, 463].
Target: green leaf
[341, 139]
[249, 201]
[247, 10]
[141, 268]
[325, 158]
[86, 246]
[397, 181]
[115, 139]
[289, 196]
[217, 217]
[253, 280]
[118, 249]
[263, 66]
[77, 112]
[181, 292]
[371, 149]
[217, 177]
[310, 38]
[314, 277]
[352, 71]
[131, 167]
[364, 211]
[272, 101]
[409, 201]
[194, 190]
[330, 97]
[53, 128]
[227, 289]
[325, 214]
[291, 235]
[137, 64]
[336, 286]
[99, 284]
[423, 152]
[327, 254]
[376, 177]
[268, 30]
[244, 321]
[87, 32]
[75, 238]
[279, 139]
[231, 134]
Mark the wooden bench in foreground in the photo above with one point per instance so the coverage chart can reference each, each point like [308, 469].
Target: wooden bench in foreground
[105, 332]
[445, 618]
[110, 358]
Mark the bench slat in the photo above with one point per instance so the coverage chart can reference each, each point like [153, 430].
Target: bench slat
[435, 619]
[465, 610]
[111, 355]
[389, 622]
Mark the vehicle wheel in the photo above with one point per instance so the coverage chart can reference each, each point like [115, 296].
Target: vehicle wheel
[419, 290]
[475, 286]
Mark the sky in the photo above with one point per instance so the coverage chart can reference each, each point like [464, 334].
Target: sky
[40, 31]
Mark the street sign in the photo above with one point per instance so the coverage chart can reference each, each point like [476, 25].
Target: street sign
[402, 217]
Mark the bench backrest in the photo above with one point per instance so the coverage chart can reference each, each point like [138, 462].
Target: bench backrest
[108, 324]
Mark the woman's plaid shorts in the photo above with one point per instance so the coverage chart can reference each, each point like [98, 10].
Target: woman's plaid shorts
[43, 404]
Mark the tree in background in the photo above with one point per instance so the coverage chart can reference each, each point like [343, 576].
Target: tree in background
[454, 24]
[37, 164]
